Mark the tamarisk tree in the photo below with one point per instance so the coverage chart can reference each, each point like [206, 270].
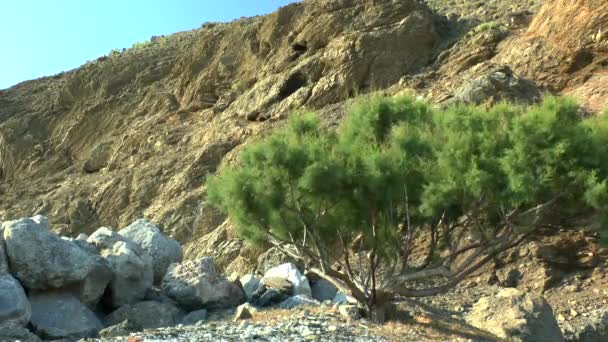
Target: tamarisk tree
[406, 200]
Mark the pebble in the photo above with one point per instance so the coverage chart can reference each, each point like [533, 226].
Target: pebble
[296, 328]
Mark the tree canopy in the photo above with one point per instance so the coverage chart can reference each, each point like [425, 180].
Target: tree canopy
[397, 169]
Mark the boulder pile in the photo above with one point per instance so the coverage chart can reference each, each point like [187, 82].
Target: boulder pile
[112, 283]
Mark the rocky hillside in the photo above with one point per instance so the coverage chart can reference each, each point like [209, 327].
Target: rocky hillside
[134, 134]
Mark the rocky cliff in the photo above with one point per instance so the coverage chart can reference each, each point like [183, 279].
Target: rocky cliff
[134, 134]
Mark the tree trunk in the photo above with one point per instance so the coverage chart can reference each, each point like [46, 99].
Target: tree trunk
[380, 310]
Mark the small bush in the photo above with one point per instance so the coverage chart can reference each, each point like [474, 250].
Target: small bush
[141, 45]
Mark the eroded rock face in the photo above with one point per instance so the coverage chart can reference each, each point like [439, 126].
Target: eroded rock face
[132, 268]
[42, 260]
[516, 316]
[195, 284]
[58, 315]
[14, 306]
[154, 157]
[147, 315]
[163, 250]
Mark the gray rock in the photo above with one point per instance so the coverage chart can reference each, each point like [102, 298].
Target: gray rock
[291, 273]
[594, 328]
[131, 267]
[14, 305]
[15, 332]
[82, 237]
[295, 301]
[516, 316]
[3, 258]
[343, 298]
[59, 314]
[496, 85]
[323, 290]
[195, 284]
[147, 315]
[269, 297]
[281, 284]
[195, 317]
[244, 311]
[121, 329]
[349, 311]
[250, 284]
[40, 259]
[93, 287]
[163, 250]
[271, 258]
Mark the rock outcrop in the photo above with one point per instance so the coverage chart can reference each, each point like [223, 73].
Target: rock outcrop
[516, 316]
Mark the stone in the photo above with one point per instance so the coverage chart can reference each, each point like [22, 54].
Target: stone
[82, 237]
[58, 314]
[40, 259]
[93, 287]
[349, 312]
[250, 284]
[131, 267]
[281, 284]
[593, 329]
[194, 317]
[516, 316]
[498, 84]
[3, 257]
[147, 315]
[14, 306]
[508, 277]
[121, 329]
[342, 298]
[296, 301]
[16, 332]
[163, 250]
[240, 266]
[98, 158]
[269, 297]
[323, 290]
[196, 284]
[271, 258]
[244, 311]
[291, 273]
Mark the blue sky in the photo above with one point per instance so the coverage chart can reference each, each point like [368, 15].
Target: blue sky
[45, 37]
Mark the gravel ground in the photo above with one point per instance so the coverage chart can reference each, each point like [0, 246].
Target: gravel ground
[298, 327]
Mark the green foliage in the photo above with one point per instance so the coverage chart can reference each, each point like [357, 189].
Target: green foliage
[114, 52]
[397, 160]
[488, 26]
[141, 45]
